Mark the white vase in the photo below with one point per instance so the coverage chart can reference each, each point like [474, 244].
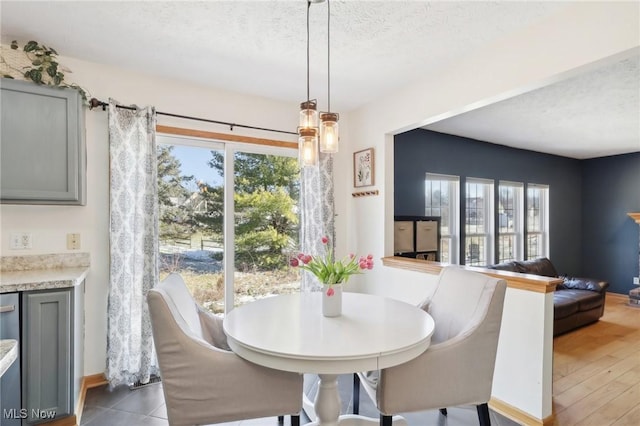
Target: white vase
[332, 304]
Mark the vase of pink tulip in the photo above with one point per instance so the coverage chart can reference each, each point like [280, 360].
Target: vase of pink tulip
[332, 274]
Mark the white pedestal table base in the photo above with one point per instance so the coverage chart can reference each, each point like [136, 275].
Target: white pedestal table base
[327, 407]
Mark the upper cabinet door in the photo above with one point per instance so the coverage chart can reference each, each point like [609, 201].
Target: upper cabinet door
[42, 147]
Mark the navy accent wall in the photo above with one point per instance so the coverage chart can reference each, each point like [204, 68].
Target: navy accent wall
[611, 189]
[420, 151]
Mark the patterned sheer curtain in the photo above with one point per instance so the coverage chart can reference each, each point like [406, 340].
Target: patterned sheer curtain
[317, 213]
[133, 237]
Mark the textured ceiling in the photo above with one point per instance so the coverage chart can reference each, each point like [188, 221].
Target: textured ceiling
[591, 115]
[258, 47]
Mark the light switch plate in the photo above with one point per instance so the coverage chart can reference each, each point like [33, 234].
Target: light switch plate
[636, 280]
[73, 241]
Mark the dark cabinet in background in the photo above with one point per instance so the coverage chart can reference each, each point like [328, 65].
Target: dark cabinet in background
[417, 237]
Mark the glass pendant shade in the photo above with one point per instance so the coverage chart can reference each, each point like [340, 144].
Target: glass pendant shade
[329, 133]
[308, 115]
[308, 147]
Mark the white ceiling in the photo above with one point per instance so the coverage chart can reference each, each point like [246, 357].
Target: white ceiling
[258, 47]
[592, 115]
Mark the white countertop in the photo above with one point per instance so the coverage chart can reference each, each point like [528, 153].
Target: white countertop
[8, 354]
[41, 279]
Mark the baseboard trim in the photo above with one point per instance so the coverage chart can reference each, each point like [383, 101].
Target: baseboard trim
[617, 296]
[94, 381]
[518, 415]
[65, 421]
[88, 382]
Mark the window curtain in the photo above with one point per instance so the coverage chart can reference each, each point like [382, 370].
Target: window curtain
[317, 213]
[133, 238]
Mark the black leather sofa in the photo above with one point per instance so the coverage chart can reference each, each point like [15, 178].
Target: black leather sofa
[576, 302]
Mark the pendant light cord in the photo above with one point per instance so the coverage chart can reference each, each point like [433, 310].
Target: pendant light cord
[308, 7]
[328, 56]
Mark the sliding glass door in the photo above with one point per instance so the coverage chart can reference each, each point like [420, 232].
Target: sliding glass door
[228, 227]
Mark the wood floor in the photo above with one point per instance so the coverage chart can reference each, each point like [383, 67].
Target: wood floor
[596, 370]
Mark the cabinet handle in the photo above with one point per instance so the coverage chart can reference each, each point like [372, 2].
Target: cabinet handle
[7, 308]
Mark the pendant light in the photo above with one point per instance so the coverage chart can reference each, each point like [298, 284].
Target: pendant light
[329, 130]
[308, 125]
[308, 129]
[308, 147]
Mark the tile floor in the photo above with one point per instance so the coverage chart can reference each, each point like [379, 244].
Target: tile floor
[145, 407]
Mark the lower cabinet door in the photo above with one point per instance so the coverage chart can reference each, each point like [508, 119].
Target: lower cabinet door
[10, 408]
[46, 355]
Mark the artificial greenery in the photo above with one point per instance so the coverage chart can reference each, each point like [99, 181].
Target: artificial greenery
[44, 68]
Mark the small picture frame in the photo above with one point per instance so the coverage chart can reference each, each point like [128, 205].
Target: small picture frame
[363, 168]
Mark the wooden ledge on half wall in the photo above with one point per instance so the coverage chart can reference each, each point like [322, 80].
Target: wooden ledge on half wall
[528, 282]
[635, 217]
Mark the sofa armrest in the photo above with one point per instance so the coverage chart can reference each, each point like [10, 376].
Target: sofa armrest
[576, 283]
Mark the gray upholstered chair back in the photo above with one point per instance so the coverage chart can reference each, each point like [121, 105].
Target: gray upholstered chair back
[181, 302]
[460, 302]
[457, 369]
[203, 381]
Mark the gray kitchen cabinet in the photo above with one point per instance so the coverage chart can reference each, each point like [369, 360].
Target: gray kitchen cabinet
[10, 380]
[42, 144]
[52, 336]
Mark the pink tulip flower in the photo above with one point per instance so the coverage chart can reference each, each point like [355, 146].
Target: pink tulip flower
[330, 292]
[325, 240]
[294, 262]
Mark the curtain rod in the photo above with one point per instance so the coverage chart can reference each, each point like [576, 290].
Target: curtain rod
[94, 103]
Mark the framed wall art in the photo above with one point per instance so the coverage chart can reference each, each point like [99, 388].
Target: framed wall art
[363, 168]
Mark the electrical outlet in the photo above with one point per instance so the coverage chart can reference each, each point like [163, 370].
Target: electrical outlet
[16, 241]
[27, 240]
[73, 241]
[21, 241]
[636, 280]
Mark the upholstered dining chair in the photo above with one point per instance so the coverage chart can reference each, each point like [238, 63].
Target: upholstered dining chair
[457, 369]
[203, 380]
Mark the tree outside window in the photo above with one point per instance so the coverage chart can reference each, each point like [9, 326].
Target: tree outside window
[192, 211]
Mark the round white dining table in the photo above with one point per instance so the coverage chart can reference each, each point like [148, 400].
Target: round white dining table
[289, 333]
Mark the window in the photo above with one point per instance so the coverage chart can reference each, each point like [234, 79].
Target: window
[537, 238]
[510, 215]
[441, 199]
[479, 221]
[488, 228]
[197, 241]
